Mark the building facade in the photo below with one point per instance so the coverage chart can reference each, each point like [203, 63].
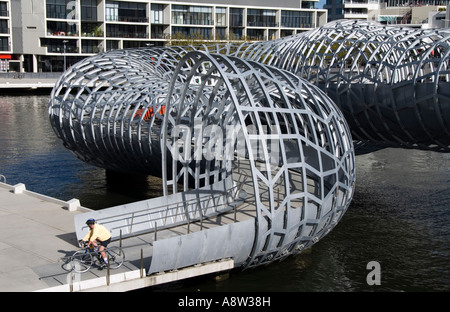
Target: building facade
[5, 35]
[424, 14]
[350, 9]
[419, 14]
[50, 35]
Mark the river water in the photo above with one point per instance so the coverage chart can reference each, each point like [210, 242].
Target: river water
[399, 216]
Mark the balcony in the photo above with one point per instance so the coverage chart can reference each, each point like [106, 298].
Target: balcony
[61, 33]
[356, 15]
[125, 34]
[262, 24]
[127, 19]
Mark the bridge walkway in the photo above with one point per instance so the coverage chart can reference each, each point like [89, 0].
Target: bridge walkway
[34, 260]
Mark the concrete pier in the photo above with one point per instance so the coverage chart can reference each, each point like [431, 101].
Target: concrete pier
[37, 232]
[27, 83]
[34, 230]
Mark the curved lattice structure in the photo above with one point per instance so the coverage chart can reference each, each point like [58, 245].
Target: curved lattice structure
[392, 83]
[198, 120]
[295, 140]
[254, 118]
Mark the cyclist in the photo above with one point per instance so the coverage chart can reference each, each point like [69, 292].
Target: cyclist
[98, 236]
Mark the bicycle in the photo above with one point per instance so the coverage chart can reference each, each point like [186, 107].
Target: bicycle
[83, 259]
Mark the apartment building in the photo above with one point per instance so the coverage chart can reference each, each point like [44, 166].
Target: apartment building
[412, 13]
[350, 9]
[423, 14]
[5, 36]
[50, 35]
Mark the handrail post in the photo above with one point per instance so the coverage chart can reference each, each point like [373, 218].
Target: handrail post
[120, 243]
[71, 280]
[142, 263]
[107, 270]
[155, 233]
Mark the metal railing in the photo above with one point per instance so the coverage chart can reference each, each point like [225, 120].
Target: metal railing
[149, 219]
[26, 75]
[2, 178]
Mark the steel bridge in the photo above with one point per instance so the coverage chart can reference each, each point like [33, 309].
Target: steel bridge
[260, 127]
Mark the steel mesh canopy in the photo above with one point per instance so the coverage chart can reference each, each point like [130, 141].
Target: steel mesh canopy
[256, 115]
[392, 83]
[296, 141]
[197, 118]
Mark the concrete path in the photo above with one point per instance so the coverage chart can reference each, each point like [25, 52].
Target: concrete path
[33, 232]
[37, 232]
[27, 83]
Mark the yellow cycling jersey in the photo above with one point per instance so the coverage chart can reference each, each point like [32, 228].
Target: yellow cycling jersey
[99, 232]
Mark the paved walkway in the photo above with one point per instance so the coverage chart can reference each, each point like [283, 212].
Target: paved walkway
[33, 232]
[27, 83]
[36, 232]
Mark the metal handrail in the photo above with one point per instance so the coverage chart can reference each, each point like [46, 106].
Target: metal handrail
[167, 216]
[2, 177]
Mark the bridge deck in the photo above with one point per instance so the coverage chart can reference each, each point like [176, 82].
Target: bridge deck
[35, 234]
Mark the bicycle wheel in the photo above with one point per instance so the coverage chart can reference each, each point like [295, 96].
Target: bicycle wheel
[116, 257]
[81, 261]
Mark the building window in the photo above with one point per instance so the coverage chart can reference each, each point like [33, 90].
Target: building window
[157, 16]
[261, 18]
[112, 45]
[4, 9]
[191, 15]
[89, 10]
[126, 11]
[158, 32]
[307, 4]
[255, 34]
[91, 30]
[236, 34]
[193, 32]
[60, 9]
[236, 17]
[133, 12]
[91, 46]
[285, 33]
[221, 16]
[4, 29]
[112, 11]
[126, 31]
[221, 34]
[296, 19]
[4, 44]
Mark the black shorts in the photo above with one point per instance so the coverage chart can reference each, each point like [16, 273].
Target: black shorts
[105, 243]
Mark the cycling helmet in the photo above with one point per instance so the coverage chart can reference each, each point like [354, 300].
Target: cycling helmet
[90, 221]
